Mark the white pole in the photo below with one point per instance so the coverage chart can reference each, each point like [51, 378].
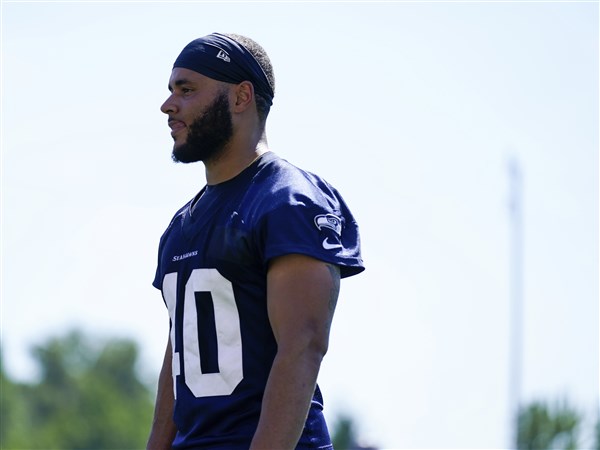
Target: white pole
[516, 298]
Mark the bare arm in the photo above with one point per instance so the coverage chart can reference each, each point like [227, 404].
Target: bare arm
[301, 297]
[163, 429]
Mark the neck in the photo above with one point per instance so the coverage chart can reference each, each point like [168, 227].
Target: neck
[234, 159]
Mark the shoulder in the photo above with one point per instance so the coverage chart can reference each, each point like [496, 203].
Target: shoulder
[176, 221]
[299, 212]
[282, 170]
[180, 214]
[284, 183]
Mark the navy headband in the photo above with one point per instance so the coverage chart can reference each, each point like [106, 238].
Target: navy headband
[221, 58]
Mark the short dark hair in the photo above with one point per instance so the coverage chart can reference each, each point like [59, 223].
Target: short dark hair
[259, 53]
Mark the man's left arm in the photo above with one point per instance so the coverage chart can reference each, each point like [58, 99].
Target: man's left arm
[301, 296]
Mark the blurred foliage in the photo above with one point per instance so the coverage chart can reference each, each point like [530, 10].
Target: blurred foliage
[541, 426]
[345, 435]
[89, 397]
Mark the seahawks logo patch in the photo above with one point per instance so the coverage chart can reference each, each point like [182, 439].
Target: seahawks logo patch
[329, 221]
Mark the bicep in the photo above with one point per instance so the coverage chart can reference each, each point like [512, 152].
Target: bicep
[301, 297]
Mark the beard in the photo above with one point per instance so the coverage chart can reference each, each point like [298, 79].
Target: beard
[208, 134]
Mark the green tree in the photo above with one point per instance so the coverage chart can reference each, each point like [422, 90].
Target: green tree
[543, 427]
[89, 397]
[344, 436]
[13, 412]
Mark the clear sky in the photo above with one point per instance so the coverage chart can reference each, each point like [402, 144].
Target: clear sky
[412, 110]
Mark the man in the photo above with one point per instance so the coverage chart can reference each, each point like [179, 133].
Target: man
[249, 269]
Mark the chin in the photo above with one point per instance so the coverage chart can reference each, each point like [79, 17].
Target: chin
[178, 145]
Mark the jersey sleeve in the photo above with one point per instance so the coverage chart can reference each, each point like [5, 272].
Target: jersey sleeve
[318, 225]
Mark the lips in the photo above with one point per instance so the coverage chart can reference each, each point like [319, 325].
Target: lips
[175, 126]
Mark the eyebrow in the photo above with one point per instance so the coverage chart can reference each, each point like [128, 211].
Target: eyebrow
[178, 83]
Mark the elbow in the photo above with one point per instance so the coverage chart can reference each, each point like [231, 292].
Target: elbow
[316, 349]
[319, 347]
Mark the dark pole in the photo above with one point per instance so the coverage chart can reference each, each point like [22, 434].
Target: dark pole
[516, 297]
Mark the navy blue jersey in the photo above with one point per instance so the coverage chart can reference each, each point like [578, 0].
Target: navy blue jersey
[212, 270]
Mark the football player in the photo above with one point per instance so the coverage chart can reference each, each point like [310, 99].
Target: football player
[249, 268]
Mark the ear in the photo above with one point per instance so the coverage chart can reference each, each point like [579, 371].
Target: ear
[244, 96]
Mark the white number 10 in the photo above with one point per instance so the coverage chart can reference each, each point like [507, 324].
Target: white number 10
[228, 334]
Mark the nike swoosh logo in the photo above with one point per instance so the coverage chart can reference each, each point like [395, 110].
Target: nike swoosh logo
[328, 246]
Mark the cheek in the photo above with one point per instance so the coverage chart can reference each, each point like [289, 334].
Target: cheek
[192, 109]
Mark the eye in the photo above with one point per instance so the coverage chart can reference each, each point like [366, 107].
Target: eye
[186, 90]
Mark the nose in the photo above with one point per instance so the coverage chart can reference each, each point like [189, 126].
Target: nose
[169, 106]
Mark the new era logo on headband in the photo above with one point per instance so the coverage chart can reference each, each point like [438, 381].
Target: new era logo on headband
[223, 55]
